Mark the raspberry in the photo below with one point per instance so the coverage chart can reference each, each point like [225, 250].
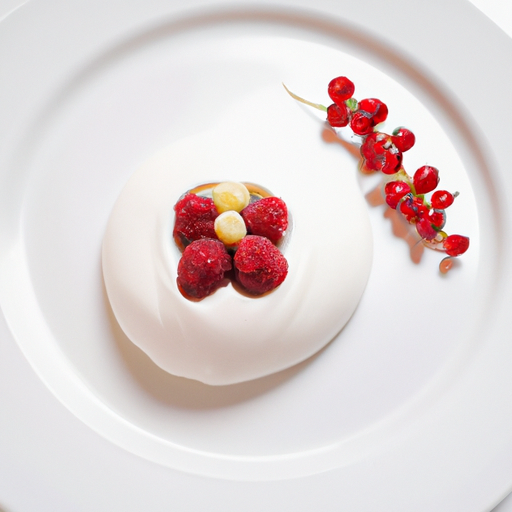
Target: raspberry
[201, 268]
[260, 265]
[195, 216]
[266, 217]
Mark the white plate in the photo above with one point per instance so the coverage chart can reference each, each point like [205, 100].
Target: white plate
[407, 409]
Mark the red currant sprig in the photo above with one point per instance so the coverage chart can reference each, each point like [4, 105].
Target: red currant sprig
[384, 153]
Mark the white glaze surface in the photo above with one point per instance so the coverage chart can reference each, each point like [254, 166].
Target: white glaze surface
[228, 337]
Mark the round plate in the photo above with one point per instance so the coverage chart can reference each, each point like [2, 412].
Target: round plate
[407, 407]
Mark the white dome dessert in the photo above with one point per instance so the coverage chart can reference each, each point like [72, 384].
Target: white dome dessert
[229, 337]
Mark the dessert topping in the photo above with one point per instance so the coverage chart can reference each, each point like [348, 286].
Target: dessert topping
[202, 267]
[231, 196]
[195, 216]
[267, 217]
[230, 227]
[259, 264]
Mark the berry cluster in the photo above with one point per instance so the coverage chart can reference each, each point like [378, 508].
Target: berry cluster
[384, 153]
[229, 235]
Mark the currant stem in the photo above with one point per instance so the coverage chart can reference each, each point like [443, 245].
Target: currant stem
[306, 102]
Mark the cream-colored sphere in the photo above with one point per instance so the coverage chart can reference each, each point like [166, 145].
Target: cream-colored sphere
[230, 227]
[230, 195]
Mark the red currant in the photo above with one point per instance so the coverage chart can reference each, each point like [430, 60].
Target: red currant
[340, 89]
[372, 150]
[394, 191]
[437, 218]
[425, 179]
[338, 115]
[361, 123]
[376, 108]
[455, 245]
[413, 207]
[380, 154]
[403, 139]
[441, 199]
[425, 229]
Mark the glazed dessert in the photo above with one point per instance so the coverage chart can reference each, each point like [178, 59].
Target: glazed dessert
[240, 330]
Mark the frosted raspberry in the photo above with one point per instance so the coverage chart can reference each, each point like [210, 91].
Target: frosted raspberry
[403, 139]
[260, 265]
[441, 199]
[195, 216]
[202, 267]
[266, 217]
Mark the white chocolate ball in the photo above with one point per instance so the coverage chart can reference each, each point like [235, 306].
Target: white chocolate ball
[230, 195]
[230, 227]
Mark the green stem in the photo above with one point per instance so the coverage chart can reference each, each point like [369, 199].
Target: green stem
[306, 102]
